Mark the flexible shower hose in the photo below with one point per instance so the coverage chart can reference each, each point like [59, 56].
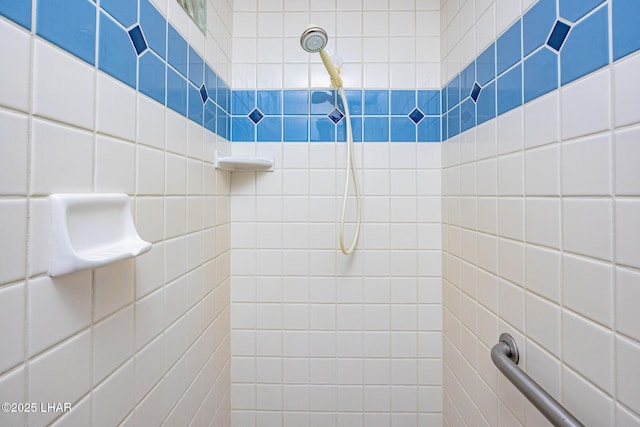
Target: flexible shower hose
[351, 170]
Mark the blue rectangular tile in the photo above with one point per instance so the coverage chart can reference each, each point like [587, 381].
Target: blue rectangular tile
[321, 129]
[354, 98]
[558, 35]
[626, 31]
[486, 105]
[195, 104]
[540, 74]
[467, 79]
[356, 129]
[176, 92]
[429, 129]
[270, 129]
[403, 101]
[510, 90]
[296, 102]
[453, 92]
[536, 25]
[123, 11]
[69, 24]
[467, 115]
[270, 102]
[322, 101]
[486, 65]
[376, 129]
[176, 50]
[243, 101]
[376, 102]
[210, 119]
[296, 129]
[445, 102]
[243, 130]
[211, 82]
[19, 11]
[453, 122]
[444, 129]
[196, 68]
[116, 55]
[586, 48]
[429, 102]
[222, 91]
[403, 129]
[573, 10]
[151, 76]
[222, 128]
[154, 26]
[509, 48]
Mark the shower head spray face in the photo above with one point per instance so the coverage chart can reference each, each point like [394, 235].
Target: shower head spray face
[313, 39]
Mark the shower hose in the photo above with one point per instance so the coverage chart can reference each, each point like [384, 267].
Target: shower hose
[350, 171]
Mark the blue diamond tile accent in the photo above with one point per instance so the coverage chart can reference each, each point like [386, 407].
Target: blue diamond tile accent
[335, 115]
[203, 93]
[256, 115]
[137, 38]
[416, 115]
[558, 35]
[475, 92]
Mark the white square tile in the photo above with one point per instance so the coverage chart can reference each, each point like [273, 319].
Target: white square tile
[63, 86]
[12, 313]
[588, 288]
[149, 319]
[510, 175]
[592, 91]
[58, 308]
[116, 114]
[543, 221]
[585, 401]
[627, 175]
[543, 272]
[13, 151]
[627, 293]
[586, 166]
[542, 176]
[510, 131]
[628, 373]
[15, 51]
[12, 389]
[60, 375]
[592, 357]
[543, 322]
[586, 227]
[628, 232]
[112, 343]
[13, 235]
[542, 110]
[62, 159]
[626, 93]
[150, 122]
[511, 218]
[150, 171]
[115, 166]
[113, 399]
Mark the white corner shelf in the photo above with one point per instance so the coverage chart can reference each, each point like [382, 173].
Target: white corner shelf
[244, 163]
[90, 231]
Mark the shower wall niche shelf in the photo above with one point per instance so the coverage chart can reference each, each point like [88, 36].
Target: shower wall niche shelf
[91, 230]
[244, 163]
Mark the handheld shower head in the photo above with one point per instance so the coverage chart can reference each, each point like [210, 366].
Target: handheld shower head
[313, 39]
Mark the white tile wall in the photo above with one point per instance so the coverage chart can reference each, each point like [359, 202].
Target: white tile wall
[113, 342]
[557, 268]
[343, 331]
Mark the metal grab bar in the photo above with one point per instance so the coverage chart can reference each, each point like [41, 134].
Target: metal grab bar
[505, 356]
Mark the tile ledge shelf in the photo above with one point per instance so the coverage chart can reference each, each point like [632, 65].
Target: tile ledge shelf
[243, 163]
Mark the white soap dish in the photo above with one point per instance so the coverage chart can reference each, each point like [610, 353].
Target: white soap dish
[91, 230]
[244, 163]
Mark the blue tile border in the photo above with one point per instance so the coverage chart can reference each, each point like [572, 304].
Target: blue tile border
[554, 43]
[548, 47]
